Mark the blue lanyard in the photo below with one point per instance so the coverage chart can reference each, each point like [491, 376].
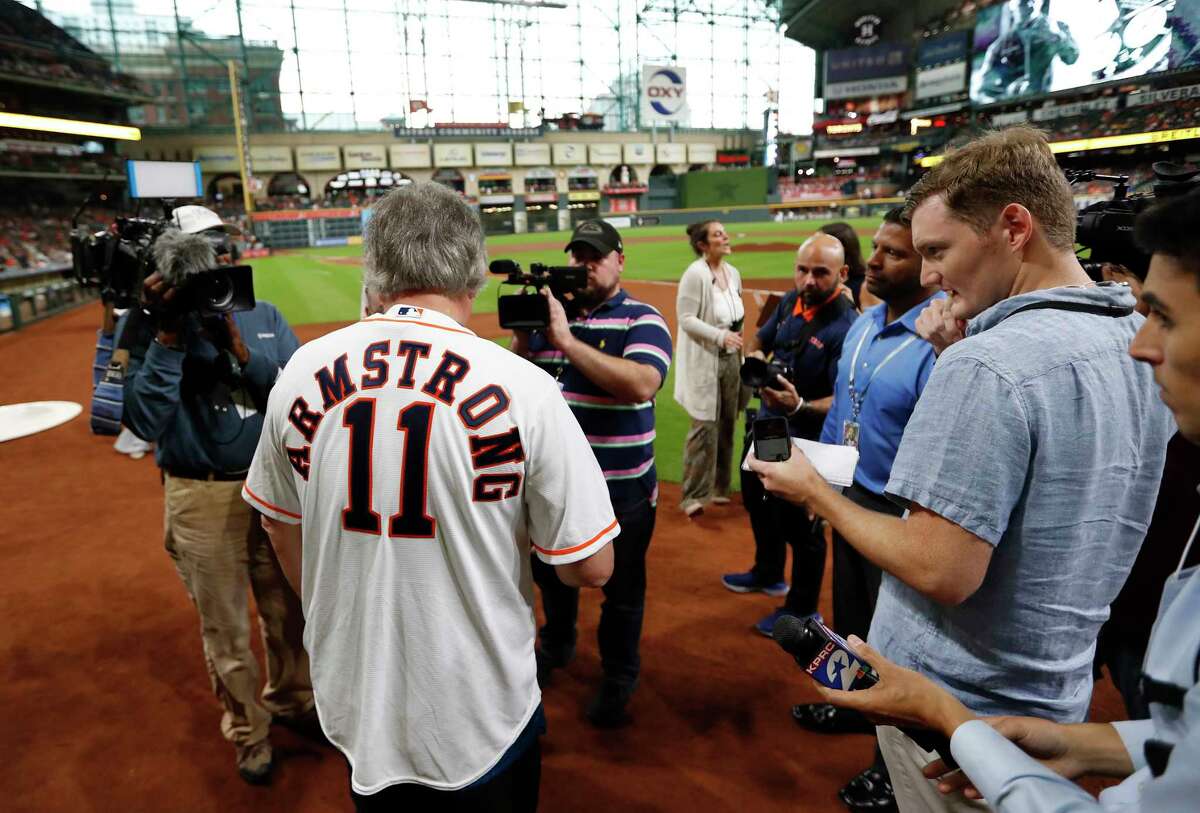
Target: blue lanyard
[856, 397]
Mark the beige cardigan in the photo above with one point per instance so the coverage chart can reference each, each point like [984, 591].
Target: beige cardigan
[698, 340]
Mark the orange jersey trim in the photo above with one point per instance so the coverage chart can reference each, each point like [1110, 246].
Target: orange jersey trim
[263, 502]
[578, 547]
[422, 324]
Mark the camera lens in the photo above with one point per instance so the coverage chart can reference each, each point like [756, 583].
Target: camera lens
[217, 292]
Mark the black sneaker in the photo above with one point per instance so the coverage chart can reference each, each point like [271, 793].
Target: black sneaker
[254, 762]
[870, 790]
[607, 709]
[828, 719]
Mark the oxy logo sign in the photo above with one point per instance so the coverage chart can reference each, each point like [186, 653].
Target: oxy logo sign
[664, 92]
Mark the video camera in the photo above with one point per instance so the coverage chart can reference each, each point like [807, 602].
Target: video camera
[1107, 227]
[530, 311]
[757, 373]
[118, 259]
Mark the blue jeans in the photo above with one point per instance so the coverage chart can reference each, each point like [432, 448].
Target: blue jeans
[624, 599]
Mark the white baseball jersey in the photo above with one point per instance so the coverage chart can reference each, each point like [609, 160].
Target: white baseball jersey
[422, 463]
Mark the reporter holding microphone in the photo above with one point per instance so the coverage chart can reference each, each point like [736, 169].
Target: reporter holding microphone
[1026, 763]
[1029, 467]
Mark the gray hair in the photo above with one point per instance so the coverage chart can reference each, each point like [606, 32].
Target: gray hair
[423, 237]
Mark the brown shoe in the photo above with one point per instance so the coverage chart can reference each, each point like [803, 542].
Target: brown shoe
[254, 762]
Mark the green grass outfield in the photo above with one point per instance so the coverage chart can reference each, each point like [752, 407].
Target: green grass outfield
[308, 288]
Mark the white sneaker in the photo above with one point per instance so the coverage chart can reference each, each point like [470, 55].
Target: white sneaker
[130, 444]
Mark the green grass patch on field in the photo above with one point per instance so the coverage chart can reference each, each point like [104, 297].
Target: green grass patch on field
[308, 287]
[317, 285]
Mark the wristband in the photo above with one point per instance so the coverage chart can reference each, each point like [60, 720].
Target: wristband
[799, 407]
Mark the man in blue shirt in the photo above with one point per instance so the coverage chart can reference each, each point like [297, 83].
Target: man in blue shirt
[881, 373]
[197, 387]
[609, 363]
[805, 332]
[1023, 764]
[1030, 465]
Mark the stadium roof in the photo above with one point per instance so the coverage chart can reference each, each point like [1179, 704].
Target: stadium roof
[826, 24]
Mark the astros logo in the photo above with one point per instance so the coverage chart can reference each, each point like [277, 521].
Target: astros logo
[665, 89]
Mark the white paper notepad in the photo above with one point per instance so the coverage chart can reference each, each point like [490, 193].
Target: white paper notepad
[835, 463]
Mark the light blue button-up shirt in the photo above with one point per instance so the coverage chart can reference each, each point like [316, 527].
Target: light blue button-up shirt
[1041, 436]
[891, 390]
[1010, 780]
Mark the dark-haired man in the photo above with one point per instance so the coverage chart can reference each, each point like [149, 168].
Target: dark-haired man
[1029, 466]
[881, 373]
[1158, 757]
[609, 362]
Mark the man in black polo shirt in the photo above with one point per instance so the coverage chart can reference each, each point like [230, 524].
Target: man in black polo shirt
[805, 332]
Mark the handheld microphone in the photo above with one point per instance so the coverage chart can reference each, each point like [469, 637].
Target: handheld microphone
[827, 658]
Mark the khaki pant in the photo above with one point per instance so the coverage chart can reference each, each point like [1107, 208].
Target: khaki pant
[220, 549]
[708, 450]
[915, 793]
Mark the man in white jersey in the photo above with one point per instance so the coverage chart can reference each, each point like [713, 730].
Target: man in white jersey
[406, 469]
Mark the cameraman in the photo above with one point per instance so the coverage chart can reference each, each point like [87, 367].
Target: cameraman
[805, 334]
[196, 386]
[609, 363]
[1160, 757]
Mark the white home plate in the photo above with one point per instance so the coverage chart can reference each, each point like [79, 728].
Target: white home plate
[19, 420]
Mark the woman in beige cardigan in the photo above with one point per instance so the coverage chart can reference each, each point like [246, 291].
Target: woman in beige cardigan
[708, 355]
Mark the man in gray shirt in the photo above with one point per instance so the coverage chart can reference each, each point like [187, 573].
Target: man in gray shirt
[1030, 465]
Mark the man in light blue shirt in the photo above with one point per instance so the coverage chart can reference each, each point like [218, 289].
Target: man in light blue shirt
[1159, 757]
[1030, 465]
[880, 375]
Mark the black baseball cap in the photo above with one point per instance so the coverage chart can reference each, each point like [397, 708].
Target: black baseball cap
[599, 234]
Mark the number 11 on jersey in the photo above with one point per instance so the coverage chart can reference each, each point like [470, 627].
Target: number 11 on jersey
[416, 422]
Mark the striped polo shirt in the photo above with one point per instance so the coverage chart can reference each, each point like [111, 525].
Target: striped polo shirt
[621, 434]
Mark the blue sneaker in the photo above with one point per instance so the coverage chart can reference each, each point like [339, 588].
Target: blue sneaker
[746, 583]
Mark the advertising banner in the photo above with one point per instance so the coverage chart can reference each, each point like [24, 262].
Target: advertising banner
[856, 64]
[935, 51]
[323, 156]
[671, 153]
[639, 153]
[604, 154]
[570, 153]
[271, 159]
[493, 154]
[866, 87]
[409, 156]
[532, 155]
[702, 153]
[365, 156]
[944, 80]
[452, 155]
[1167, 96]
[222, 158]
[664, 94]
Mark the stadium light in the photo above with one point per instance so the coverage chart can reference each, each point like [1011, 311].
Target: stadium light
[46, 124]
[1102, 142]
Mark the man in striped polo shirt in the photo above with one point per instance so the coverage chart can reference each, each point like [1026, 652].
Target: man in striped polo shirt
[609, 362]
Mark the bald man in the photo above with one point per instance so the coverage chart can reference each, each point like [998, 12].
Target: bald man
[804, 333]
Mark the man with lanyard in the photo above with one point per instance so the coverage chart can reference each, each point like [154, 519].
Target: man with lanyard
[609, 362]
[1023, 764]
[1019, 532]
[806, 333]
[880, 377]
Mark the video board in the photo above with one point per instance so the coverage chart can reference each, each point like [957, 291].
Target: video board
[1033, 47]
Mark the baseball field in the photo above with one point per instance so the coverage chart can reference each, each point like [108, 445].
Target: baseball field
[322, 286]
